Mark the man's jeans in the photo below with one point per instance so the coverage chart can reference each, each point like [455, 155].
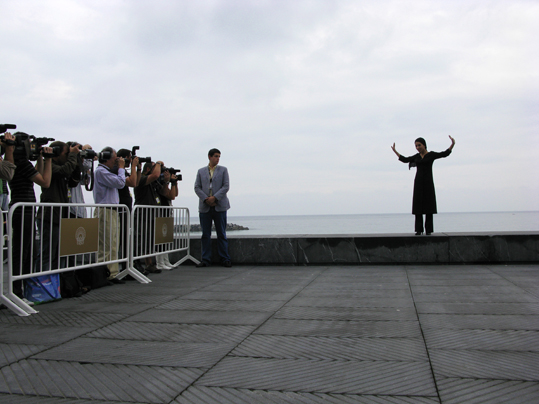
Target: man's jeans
[219, 218]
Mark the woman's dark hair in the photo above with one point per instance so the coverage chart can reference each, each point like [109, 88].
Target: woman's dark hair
[422, 141]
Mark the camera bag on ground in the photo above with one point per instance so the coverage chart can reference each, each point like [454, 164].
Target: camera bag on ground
[71, 285]
[94, 277]
[42, 289]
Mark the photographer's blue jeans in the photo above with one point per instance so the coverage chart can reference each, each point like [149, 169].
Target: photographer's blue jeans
[206, 219]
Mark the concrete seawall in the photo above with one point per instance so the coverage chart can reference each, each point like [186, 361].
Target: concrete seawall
[440, 248]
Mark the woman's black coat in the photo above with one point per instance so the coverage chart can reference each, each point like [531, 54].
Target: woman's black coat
[424, 201]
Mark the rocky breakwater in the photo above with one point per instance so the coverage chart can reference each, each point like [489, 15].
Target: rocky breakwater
[229, 227]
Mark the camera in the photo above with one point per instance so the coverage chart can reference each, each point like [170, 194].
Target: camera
[7, 142]
[29, 147]
[36, 145]
[5, 126]
[74, 144]
[104, 156]
[141, 160]
[172, 171]
[83, 154]
[82, 174]
[88, 154]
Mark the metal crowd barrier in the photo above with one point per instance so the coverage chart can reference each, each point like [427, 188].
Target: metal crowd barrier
[3, 262]
[49, 238]
[159, 230]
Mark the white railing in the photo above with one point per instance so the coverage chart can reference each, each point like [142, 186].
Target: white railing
[4, 264]
[48, 238]
[159, 230]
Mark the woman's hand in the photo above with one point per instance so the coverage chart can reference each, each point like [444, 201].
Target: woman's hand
[396, 152]
[452, 142]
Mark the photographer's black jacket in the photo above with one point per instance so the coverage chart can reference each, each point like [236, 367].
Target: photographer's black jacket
[57, 191]
[147, 193]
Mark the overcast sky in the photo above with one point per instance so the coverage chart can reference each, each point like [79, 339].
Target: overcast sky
[303, 98]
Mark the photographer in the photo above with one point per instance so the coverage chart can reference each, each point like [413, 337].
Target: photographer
[131, 178]
[48, 219]
[22, 190]
[63, 167]
[7, 170]
[168, 190]
[70, 281]
[147, 194]
[109, 177]
[77, 180]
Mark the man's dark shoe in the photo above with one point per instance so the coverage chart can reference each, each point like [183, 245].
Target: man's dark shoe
[202, 264]
[227, 264]
[138, 267]
[153, 269]
[117, 281]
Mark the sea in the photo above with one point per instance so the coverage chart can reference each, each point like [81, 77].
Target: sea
[394, 223]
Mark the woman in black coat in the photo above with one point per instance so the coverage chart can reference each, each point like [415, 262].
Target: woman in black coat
[424, 201]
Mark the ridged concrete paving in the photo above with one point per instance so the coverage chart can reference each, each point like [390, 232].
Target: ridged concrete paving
[337, 334]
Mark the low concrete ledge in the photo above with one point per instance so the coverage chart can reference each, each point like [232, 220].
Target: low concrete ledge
[440, 248]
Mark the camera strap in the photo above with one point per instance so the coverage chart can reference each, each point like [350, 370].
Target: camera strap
[89, 179]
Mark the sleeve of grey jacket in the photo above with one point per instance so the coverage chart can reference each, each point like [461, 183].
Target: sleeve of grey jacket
[7, 169]
[198, 186]
[225, 185]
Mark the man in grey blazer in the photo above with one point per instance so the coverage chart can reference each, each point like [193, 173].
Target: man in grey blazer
[211, 186]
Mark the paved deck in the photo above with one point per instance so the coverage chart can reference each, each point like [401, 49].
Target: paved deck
[336, 334]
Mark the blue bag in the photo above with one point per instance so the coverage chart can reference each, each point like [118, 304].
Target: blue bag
[43, 288]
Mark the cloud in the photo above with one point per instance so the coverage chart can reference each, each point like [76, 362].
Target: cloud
[303, 98]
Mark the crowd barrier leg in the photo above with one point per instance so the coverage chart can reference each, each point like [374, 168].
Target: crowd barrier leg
[15, 304]
[135, 274]
[131, 270]
[7, 297]
[184, 224]
[130, 267]
[187, 257]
